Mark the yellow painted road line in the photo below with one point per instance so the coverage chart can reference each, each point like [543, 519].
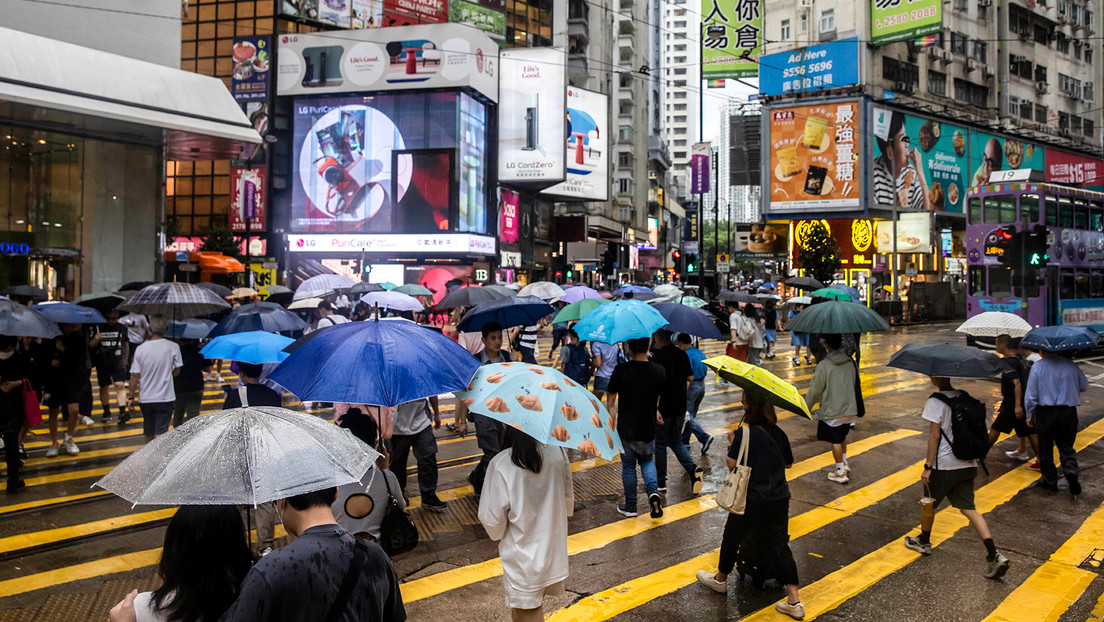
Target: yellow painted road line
[60, 534]
[599, 537]
[62, 477]
[84, 454]
[1058, 583]
[1098, 611]
[89, 570]
[30, 505]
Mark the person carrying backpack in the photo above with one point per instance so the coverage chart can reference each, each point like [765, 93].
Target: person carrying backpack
[575, 361]
[957, 439]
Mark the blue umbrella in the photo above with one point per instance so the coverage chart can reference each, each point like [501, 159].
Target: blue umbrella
[1060, 338]
[20, 320]
[258, 316]
[191, 328]
[684, 319]
[380, 362]
[767, 286]
[255, 347]
[850, 291]
[632, 289]
[619, 321]
[513, 311]
[66, 313]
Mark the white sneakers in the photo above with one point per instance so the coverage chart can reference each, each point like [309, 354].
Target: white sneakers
[795, 611]
[837, 477]
[709, 580]
[52, 452]
[1018, 455]
[87, 420]
[70, 446]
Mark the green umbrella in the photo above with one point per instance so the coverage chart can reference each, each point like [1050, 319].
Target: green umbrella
[389, 286]
[693, 301]
[410, 289]
[576, 310]
[831, 294]
[837, 316]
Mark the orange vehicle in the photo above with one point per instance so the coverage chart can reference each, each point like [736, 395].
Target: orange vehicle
[211, 267]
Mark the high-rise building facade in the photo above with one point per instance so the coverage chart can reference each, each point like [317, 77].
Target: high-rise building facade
[682, 87]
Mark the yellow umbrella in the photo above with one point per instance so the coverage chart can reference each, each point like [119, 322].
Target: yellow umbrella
[749, 377]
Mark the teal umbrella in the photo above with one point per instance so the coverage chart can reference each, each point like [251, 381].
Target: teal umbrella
[388, 285]
[831, 294]
[410, 289]
[576, 310]
[693, 301]
[837, 316]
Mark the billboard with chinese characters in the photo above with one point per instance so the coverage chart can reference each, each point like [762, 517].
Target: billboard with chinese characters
[488, 16]
[824, 66]
[587, 152]
[919, 163]
[508, 217]
[1069, 168]
[531, 119]
[732, 38]
[898, 20]
[252, 60]
[814, 157]
[247, 199]
[700, 154]
[854, 238]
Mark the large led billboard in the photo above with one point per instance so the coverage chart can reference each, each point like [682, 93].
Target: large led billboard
[531, 121]
[587, 147]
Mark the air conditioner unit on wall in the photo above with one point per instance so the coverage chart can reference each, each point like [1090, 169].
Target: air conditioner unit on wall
[987, 71]
[1042, 87]
[902, 87]
[946, 56]
[971, 64]
[805, 4]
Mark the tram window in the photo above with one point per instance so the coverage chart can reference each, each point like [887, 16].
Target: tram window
[1029, 208]
[1051, 212]
[977, 281]
[999, 210]
[1081, 216]
[1096, 285]
[1066, 289]
[1096, 219]
[1000, 281]
[1081, 283]
[974, 213]
[1065, 212]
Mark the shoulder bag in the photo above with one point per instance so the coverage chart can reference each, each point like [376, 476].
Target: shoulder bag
[352, 575]
[32, 412]
[397, 532]
[733, 493]
[860, 406]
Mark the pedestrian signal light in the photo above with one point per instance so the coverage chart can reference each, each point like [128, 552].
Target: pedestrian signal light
[676, 254]
[1035, 247]
[691, 263]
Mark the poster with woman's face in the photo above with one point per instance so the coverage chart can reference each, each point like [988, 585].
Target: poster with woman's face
[919, 163]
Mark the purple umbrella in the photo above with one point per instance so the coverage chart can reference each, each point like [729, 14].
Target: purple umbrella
[577, 293]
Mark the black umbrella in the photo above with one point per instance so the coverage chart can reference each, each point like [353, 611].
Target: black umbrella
[191, 328]
[103, 302]
[804, 282]
[134, 286]
[946, 360]
[465, 297]
[506, 312]
[684, 319]
[263, 316]
[26, 291]
[219, 290]
[364, 288]
[738, 297]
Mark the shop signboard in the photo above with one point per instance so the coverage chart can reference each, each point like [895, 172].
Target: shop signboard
[508, 217]
[489, 19]
[532, 124]
[690, 231]
[423, 244]
[186, 244]
[815, 157]
[252, 60]
[898, 20]
[918, 163]
[1069, 168]
[913, 233]
[248, 207]
[435, 56]
[367, 13]
[587, 152]
[854, 237]
[751, 242]
[732, 38]
[414, 12]
[262, 276]
[700, 154]
[824, 66]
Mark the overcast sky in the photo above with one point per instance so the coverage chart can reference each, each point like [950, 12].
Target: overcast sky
[714, 102]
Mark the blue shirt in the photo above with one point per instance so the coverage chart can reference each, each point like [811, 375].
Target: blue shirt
[696, 358]
[1054, 381]
[608, 352]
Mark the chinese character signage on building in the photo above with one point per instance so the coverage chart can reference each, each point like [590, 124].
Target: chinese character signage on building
[508, 217]
[587, 154]
[824, 66]
[732, 38]
[897, 20]
[814, 157]
[1068, 168]
[483, 14]
[691, 231]
[249, 79]
[918, 163]
[699, 168]
[247, 199]
[854, 238]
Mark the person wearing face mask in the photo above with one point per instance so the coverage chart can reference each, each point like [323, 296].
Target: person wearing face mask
[12, 372]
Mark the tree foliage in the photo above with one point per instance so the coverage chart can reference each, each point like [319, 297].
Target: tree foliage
[222, 240]
[819, 255]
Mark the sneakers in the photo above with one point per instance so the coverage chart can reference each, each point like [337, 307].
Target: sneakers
[71, 447]
[654, 503]
[846, 467]
[16, 484]
[1017, 455]
[52, 452]
[808, 359]
[1074, 485]
[795, 611]
[697, 483]
[996, 568]
[433, 503]
[1046, 486]
[266, 550]
[770, 355]
[1034, 466]
[796, 361]
[86, 420]
[624, 510]
[475, 491]
[124, 416]
[706, 445]
[837, 477]
[914, 543]
[709, 580]
[661, 487]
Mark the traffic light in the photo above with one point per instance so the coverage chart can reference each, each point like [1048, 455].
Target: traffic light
[691, 263]
[608, 259]
[1035, 247]
[1006, 245]
[676, 255]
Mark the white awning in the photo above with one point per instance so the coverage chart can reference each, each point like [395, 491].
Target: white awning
[200, 118]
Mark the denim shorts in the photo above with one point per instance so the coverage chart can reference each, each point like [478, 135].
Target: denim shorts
[601, 383]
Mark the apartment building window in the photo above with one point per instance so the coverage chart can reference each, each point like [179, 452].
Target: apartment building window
[680, 71]
[937, 83]
[680, 47]
[1088, 54]
[1062, 43]
[624, 108]
[1088, 128]
[1019, 66]
[958, 43]
[974, 94]
[528, 23]
[1069, 85]
[900, 71]
[827, 20]
[680, 143]
[1025, 109]
[803, 23]
[680, 130]
[625, 133]
[680, 12]
[679, 83]
[680, 60]
[1040, 113]
[983, 9]
[1040, 73]
[979, 51]
[784, 32]
[1087, 91]
[1077, 49]
[1063, 120]
[624, 159]
[680, 118]
[680, 107]
[624, 186]
[1042, 35]
[960, 5]
[680, 155]
[680, 23]
[680, 94]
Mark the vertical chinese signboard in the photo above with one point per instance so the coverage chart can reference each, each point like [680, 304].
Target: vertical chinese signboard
[508, 217]
[247, 199]
[814, 157]
[699, 168]
[249, 80]
[897, 20]
[732, 38]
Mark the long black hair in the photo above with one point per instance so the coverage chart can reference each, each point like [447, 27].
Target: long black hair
[526, 451]
[758, 409]
[203, 563]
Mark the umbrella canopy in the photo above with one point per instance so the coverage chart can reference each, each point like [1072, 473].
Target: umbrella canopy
[800, 300]
[831, 294]
[683, 319]
[134, 286]
[174, 300]
[838, 317]
[191, 328]
[1060, 338]
[946, 360]
[258, 316]
[619, 321]
[26, 291]
[514, 311]
[388, 286]
[500, 291]
[693, 301]
[804, 282]
[221, 291]
[575, 294]
[256, 347]
[765, 297]
[305, 303]
[22, 321]
[738, 297]
[274, 290]
[847, 289]
[994, 324]
[768, 286]
[513, 286]
[380, 362]
[752, 378]
[321, 285]
[413, 289]
[632, 289]
[243, 292]
[576, 310]
[66, 313]
[364, 288]
[545, 290]
[544, 404]
[396, 301]
[465, 297]
[668, 291]
[241, 456]
[103, 302]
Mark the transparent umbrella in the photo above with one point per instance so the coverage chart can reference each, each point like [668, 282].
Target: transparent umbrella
[241, 456]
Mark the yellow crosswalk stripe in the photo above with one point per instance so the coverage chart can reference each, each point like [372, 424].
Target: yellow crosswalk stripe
[30, 505]
[60, 534]
[1058, 583]
[88, 570]
[62, 477]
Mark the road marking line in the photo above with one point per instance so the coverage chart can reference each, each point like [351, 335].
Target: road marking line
[89, 570]
[63, 477]
[1097, 612]
[30, 505]
[96, 453]
[60, 534]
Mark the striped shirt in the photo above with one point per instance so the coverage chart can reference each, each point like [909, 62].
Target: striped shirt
[528, 336]
[886, 188]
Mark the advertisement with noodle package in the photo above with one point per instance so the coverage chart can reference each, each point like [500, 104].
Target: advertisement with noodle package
[815, 157]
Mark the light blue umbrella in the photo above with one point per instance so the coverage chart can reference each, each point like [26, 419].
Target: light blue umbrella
[66, 313]
[620, 321]
[255, 347]
[633, 289]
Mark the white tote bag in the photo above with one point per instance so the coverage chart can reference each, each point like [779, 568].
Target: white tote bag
[733, 493]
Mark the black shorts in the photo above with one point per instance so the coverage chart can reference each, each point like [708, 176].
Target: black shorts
[72, 392]
[111, 371]
[956, 486]
[1006, 422]
[832, 434]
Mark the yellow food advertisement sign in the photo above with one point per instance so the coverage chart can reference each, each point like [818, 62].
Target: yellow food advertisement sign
[814, 161]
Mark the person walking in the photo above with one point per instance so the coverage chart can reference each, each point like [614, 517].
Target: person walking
[575, 359]
[325, 316]
[138, 331]
[526, 339]
[948, 477]
[73, 368]
[758, 341]
[1054, 390]
[833, 388]
[740, 333]
[111, 356]
[797, 339]
[188, 384]
[559, 332]
[412, 429]
[1011, 416]
[155, 364]
[672, 408]
[361, 506]
[766, 515]
[605, 357]
[487, 430]
[637, 382]
[13, 369]
[694, 393]
[529, 499]
[770, 326]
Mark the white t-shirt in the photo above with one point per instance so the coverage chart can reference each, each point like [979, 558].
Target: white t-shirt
[332, 320]
[939, 412]
[735, 320]
[155, 360]
[143, 608]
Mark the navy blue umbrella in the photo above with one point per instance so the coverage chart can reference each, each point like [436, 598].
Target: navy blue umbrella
[66, 313]
[513, 311]
[1060, 338]
[263, 316]
[683, 319]
[633, 289]
[380, 362]
[946, 360]
[191, 328]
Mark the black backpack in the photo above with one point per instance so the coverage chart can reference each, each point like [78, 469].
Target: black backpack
[580, 366]
[971, 437]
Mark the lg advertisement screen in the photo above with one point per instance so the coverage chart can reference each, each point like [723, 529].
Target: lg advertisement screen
[356, 160]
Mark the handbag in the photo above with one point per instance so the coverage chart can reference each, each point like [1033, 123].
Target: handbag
[397, 532]
[733, 493]
[32, 412]
[860, 406]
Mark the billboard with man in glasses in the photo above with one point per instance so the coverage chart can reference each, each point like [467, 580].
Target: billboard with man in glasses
[918, 163]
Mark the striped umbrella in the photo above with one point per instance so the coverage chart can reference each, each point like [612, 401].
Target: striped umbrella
[321, 285]
[174, 300]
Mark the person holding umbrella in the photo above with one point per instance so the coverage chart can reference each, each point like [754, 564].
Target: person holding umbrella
[1011, 416]
[487, 430]
[1053, 394]
[833, 387]
[672, 407]
[798, 339]
[694, 393]
[740, 332]
[73, 367]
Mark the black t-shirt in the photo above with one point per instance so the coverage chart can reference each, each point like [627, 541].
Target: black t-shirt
[13, 368]
[1013, 371]
[676, 365]
[257, 394]
[637, 385]
[770, 317]
[190, 378]
[112, 340]
[74, 364]
[768, 461]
